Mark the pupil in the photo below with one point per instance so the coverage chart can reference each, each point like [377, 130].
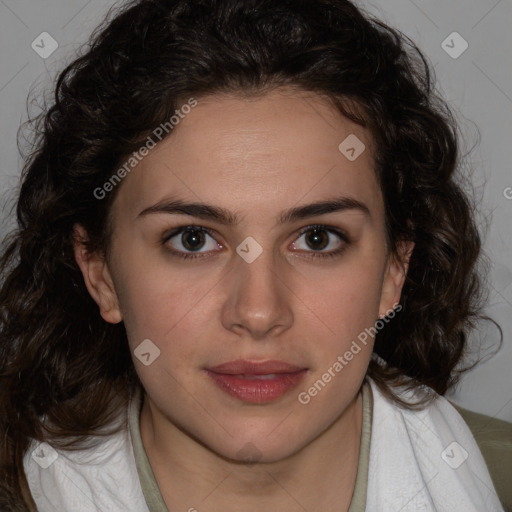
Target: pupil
[315, 237]
[192, 239]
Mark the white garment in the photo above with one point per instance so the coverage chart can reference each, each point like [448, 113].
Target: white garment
[414, 467]
[426, 461]
[103, 479]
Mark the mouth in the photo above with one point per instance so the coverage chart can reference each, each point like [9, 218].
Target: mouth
[256, 382]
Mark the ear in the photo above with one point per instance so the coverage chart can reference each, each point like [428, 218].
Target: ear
[394, 278]
[97, 278]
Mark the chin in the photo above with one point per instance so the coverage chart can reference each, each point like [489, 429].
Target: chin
[259, 448]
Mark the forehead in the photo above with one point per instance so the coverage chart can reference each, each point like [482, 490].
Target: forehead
[258, 153]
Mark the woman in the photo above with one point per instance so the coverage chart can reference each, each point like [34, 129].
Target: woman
[244, 274]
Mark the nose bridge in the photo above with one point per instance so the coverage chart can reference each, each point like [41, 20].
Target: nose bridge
[258, 299]
[257, 279]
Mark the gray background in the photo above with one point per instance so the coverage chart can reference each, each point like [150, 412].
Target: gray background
[478, 85]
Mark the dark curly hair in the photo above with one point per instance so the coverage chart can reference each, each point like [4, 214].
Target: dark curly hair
[64, 372]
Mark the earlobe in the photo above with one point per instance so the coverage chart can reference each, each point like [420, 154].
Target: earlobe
[97, 278]
[394, 278]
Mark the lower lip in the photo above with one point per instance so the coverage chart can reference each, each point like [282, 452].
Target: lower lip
[254, 390]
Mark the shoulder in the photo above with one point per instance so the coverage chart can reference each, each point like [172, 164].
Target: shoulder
[494, 438]
[428, 457]
[101, 476]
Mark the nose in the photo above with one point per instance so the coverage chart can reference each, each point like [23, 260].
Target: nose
[258, 300]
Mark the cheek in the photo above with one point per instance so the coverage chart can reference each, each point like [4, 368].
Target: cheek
[348, 308]
[159, 308]
[154, 299]
[162, 311]
[347, 300]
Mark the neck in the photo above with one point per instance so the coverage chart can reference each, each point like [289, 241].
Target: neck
[320, 475]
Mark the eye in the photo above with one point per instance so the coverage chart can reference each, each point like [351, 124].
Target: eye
[190, 238]
[318, 238]
[187, 242]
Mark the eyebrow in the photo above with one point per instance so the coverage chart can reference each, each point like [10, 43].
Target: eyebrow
[228, 218]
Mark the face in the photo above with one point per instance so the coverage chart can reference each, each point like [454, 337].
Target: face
[258, 277]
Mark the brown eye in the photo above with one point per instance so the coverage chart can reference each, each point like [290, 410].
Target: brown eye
[192, 239]
[186, 240]
[318, 238]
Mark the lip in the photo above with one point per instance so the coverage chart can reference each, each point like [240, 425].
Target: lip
[256, 382]
[255, 367]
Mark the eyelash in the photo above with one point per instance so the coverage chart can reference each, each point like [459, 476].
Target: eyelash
[191, 256]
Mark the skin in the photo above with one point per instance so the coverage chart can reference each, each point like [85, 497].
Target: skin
[254, 157]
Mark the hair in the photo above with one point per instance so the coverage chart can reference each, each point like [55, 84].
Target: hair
[64, 371]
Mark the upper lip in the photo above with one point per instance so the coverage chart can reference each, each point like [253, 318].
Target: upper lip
[255, 368]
